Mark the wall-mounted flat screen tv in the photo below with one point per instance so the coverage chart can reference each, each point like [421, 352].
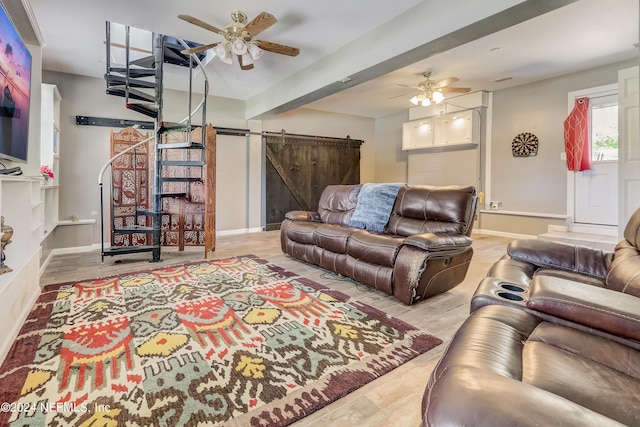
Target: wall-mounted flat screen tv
[15, 90]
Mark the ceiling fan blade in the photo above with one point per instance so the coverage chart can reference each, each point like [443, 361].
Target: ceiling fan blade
[455, 89]
[446, 82]
[260, 23]
[411, 86]
[278, 48]
[195, 21]
[198, 49]
[401, 95]
[243, 66]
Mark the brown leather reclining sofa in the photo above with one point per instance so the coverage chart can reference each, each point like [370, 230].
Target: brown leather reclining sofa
[553, 339]
[424, 249]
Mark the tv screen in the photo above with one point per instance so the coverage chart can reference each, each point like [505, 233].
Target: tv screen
[15, 90]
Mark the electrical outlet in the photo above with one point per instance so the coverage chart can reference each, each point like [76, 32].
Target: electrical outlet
[495, 205]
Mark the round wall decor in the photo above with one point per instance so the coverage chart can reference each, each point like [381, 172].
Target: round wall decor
[524, 145]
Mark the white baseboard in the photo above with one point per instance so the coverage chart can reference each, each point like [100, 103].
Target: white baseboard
[45, 263]
[505, 234]
[239, 231]
[74, 250]
[97, 246]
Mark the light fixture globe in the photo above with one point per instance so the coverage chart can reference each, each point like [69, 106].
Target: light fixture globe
[238, 47]
[247, 59]
[255, 51]
[423, 99]
[222, 52]
[430, 91]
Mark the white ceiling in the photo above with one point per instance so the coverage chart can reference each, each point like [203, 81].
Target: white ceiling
[379, 44]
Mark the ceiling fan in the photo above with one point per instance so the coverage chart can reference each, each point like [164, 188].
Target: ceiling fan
[238, 39]
[430, 91]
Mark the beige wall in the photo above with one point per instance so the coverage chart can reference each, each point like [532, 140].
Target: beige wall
[390, 160]
[535, 184]
[514, 226]
[529, 185]
[85, 149]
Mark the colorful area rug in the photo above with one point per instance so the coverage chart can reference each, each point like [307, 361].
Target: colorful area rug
[235, 341]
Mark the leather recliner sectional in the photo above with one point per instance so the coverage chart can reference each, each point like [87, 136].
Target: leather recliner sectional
[553, 339]
[425, 248]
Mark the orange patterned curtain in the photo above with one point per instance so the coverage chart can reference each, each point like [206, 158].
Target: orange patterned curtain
[577, 141]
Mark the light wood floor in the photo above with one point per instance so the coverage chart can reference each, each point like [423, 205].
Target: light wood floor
[392, 400]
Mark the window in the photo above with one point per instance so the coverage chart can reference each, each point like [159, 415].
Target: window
[604, 128]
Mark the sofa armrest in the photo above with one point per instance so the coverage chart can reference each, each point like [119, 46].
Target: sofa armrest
[433, 242]
[468, 396]
[598, 308]
[303, 216]
[562, 256]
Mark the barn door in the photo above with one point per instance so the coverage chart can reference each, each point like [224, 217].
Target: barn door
[299, 167]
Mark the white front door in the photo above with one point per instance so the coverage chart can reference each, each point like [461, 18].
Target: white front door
[595, 195]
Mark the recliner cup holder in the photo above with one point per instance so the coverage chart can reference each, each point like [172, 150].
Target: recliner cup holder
[510, 296]
[511, 287]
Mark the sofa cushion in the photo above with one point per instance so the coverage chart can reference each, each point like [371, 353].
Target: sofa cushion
[592, 371]
[303, 216]
[539, 367]
[426, 208]
[598, 308]
[438, 242]
[632, 229]
[374, 275]
[333, 237]
[561, 256]
[624, 274]
[337, 203]
[469, 396]
[374, 248]
[568, 275]
[301, 231]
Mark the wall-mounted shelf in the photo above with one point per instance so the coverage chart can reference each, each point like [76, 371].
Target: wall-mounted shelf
[50, 154]
[458, 130]
[78, 222]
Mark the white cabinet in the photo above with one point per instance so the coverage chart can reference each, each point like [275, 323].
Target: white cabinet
[455, 130]
[50, 154]
[418, 134]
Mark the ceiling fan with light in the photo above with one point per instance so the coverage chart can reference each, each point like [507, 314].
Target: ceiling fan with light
[430, 91]
[238, 39]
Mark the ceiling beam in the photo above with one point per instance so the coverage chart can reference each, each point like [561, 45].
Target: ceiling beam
[499, 21]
